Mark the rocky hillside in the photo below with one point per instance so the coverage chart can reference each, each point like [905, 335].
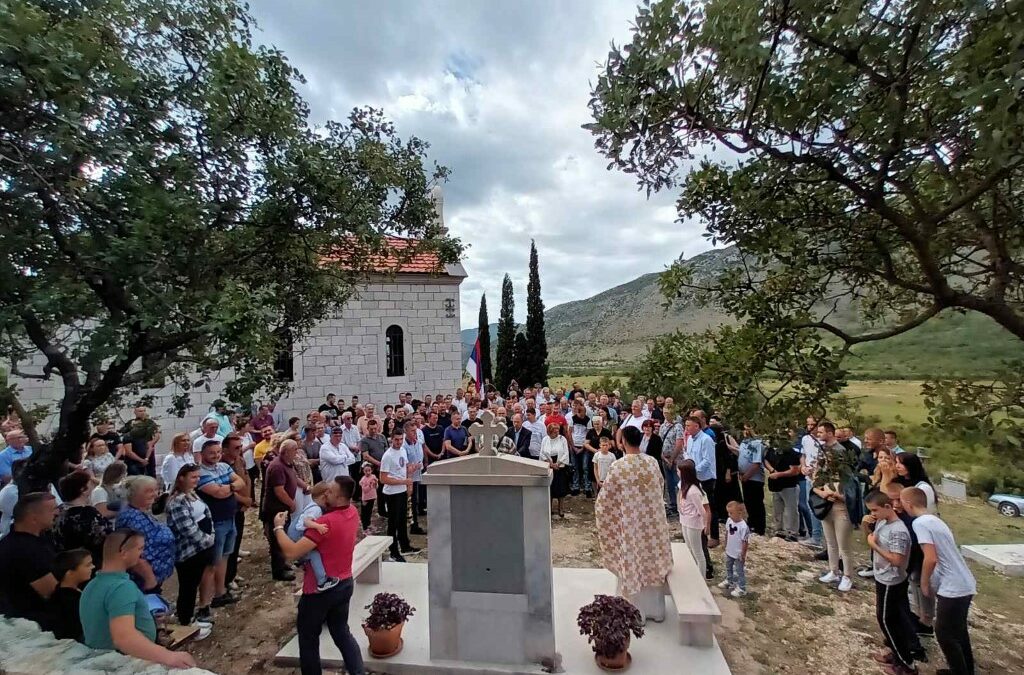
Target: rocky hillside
[613, 328]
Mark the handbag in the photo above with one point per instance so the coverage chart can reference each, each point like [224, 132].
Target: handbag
[820, 506]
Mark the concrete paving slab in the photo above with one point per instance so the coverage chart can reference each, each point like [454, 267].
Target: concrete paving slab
[1005, 558]
[658, 651]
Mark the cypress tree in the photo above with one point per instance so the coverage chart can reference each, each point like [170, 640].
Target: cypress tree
[504, 360]
[484, 333]
[537, 343]
[520, 361]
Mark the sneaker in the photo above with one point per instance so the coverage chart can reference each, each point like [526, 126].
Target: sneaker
[202, 624]
[829, 577]
[397, 557]
[589, 494]
[328, 584]
[738, 593]
[822, 555]
[233, 586]
[224, 600]
[204, 631]
[411, 549]
[416, 529]
[204, 615]
[846, 584]
[239, 578]
[866, 573]
[574, 493]
[287, 575]
[924, 630]
[242, 553]
[884, 657]
[919, 655]
[725, 584]
[809, 543]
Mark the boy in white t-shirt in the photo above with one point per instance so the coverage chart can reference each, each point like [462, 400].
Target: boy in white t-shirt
[603, 461]
[945, 575]
[736, 541]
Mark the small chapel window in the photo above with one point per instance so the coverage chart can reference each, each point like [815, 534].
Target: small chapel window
[394, 342]
[284, 359]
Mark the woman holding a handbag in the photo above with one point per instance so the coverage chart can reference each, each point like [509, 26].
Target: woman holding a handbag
[836, 468]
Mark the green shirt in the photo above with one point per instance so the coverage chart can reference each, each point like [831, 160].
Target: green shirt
[107, 596]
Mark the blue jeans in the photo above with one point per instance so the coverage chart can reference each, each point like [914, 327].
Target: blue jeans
[313, 557]
[223, 538]
[581, 467]
[736, 572]
[811, 524]
[671, 488]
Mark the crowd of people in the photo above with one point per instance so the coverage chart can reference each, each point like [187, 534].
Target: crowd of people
[87, 557]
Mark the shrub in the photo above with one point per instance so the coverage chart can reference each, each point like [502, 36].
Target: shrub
[989, 479]
[387, 611]
[607, 622]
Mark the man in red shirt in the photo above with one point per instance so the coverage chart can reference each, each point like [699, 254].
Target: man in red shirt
[330, 607]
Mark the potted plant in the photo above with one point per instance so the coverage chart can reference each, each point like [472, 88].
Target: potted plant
[383, 625]
[608, 623]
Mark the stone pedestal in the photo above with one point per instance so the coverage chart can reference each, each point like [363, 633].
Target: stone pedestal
[490, 588]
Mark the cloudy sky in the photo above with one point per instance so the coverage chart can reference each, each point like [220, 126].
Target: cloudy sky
[500, 90]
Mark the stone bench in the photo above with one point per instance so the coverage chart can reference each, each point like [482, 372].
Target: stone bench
[698, 611]
[25, 649]
[366, 560]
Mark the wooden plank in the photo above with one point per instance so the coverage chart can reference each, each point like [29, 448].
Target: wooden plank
[690, 592]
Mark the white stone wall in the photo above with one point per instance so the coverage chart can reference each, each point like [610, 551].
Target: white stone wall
[345, 355]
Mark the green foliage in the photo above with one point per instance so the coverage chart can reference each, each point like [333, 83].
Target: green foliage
[734, 372]
[505, 358]
[877, 160]
[520, 357]
[483, 333]
[536, 359]
[982, 413]
[167, 208]
[988, 479]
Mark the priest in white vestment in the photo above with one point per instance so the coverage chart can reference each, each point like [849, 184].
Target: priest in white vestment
[631, 528]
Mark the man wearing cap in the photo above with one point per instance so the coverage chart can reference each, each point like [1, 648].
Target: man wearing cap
[335, 456]
[220, 413]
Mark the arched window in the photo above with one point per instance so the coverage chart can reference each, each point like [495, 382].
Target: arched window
[395, 344]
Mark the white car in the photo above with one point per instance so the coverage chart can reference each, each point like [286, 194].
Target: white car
[1008, 505]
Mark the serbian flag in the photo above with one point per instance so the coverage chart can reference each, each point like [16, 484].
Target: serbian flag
[475, 364]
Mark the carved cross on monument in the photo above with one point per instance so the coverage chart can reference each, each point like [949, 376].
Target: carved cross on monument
[488, 434]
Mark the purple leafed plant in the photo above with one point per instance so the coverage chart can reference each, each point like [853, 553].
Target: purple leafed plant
[387, 611]
[607, 623]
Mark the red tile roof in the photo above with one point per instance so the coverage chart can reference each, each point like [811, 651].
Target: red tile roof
[423, 262]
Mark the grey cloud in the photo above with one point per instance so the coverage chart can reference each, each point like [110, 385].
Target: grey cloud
[500, 90]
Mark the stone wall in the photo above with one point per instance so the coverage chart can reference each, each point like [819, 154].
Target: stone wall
[345, 354]
[27, 650]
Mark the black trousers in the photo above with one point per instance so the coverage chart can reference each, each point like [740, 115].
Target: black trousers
[753, 498]
[709, 573]
[254, 474]
[278, 566]
[365, 512]
[232, 570]
[355, 471]
[892, 610]
[419, 498]
[952, 634]
[709, 490]
[330, 609]
[398, 521]
[190, 573]
[417, 490]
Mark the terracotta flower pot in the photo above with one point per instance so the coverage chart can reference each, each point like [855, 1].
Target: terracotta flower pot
[618, 662]
[385, 643]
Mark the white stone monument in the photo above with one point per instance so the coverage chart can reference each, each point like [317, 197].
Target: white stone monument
[490, 574]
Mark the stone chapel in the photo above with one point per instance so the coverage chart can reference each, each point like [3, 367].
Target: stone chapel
[400, 332]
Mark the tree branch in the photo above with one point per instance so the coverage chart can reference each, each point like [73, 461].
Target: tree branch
[850, 340]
